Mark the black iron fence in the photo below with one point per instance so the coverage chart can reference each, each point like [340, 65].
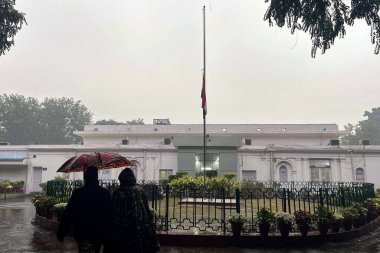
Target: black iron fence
[204, 209]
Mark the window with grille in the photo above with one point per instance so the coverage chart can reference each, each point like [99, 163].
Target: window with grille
[283, 173]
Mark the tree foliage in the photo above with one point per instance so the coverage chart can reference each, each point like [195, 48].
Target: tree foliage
[138, 121]
[108, 122]
[11, 22]
[324, 20]
[25, 120]
[368, 129]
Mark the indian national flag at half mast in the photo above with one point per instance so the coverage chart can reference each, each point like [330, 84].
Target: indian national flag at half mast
[203, 95]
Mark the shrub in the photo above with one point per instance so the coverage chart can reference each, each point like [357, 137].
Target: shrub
[283, 217]
[362, 211]
[179, 174]
[59, 207]
[229, 175]
[337, 216]
[349, 213]
[59, 178]
[302, 217]
[43, 187]
[237, 218]
[265, 215]
[323, 215]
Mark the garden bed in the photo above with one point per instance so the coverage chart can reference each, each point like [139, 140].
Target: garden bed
[205, 239]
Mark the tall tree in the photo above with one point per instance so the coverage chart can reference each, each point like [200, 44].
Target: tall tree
[19, 118]
[324, 20]
[28, 121]
[61, 117]
[11, 22]
[368, 129]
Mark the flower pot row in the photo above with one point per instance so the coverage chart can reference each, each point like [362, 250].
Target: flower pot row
[347, 218]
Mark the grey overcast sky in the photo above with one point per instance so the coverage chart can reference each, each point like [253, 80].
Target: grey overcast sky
[126, 59]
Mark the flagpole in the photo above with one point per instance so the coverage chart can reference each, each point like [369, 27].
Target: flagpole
[204, 87]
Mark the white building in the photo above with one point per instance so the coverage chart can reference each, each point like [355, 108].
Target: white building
[301, 152]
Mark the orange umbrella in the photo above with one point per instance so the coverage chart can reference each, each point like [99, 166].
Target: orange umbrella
[102, 160]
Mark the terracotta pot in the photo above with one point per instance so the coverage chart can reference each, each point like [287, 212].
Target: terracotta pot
[304, 229]
[323, 228]
[264, 228]
[347, 224]
[357, 222]
[236, 228]
[284, 228]
[335, 226]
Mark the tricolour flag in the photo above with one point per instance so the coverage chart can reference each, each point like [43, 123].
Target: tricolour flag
[203, 95]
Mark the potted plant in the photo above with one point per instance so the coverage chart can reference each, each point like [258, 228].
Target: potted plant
[17, 185]
[57, 210]
[336, 222]
[348, 214]
[237, 220]
[323, 218]
[265, 218]
[360, 215]
[43, 204]
[303, 221]
[284, 222]
[371, 206]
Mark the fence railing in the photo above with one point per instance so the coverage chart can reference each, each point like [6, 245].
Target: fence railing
[204, 209]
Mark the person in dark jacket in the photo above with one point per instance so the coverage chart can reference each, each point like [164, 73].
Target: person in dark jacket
[88, 212]
[132, 223]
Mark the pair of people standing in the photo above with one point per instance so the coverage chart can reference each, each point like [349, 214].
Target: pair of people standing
[121, 224]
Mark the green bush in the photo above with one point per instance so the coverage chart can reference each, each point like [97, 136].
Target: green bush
[323, 215]
[59, 178]
[229, 175]
[265, 215]
[18, 183]
[5, 184]
[43, 187]
[179, 174]
[212, 183]
[43, 201]
[349, 213]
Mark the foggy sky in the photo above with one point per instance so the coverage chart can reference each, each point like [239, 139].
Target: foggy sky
[143, 58]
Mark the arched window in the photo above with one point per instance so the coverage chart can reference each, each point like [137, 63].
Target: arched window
[359, 175]
[283, 173]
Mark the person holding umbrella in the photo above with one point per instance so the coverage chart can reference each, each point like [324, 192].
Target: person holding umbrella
[88, 212]
[132, 222]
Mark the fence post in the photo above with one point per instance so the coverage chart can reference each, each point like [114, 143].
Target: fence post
[327, 198]
[223, 210]
[284, 200]
[342, 197]
[237, 199]
[167, 208]
[48, 190]
[153, 194]
[320, 196]
[288, 193]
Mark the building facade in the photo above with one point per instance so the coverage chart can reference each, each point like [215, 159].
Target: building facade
[279, 152]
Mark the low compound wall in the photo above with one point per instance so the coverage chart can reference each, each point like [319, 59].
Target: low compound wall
[246, 240]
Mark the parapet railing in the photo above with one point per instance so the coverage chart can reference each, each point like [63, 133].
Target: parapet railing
[192, 207]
